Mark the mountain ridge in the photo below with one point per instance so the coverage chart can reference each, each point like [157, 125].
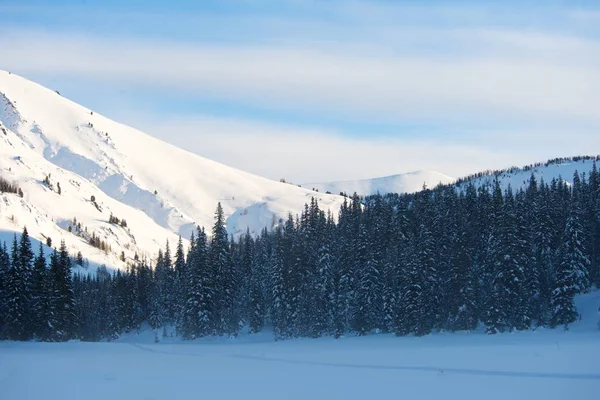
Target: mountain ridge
[45, 136]
[408, 182]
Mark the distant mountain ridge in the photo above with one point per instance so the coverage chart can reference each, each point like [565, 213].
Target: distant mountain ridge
[562, 168]
[557, 168]
[401, 183]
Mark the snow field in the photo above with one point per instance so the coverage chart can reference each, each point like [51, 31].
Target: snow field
[543, 364]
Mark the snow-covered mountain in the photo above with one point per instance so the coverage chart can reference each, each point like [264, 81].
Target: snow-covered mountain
[77, 167]
[402, 183]
[515, 177]
[519, 177]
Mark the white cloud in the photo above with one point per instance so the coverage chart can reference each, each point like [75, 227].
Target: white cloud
[359, 82]
[310, 155]
[536, 91]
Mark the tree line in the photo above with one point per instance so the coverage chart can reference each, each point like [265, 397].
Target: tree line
[446, 259]
[36, 299]
[10, 187]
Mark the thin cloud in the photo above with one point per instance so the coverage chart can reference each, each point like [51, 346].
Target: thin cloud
[588, 15]
[501, 85]
[301, 154]
[369, 83]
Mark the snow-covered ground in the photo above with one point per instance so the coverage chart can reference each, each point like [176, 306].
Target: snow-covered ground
[545, 364]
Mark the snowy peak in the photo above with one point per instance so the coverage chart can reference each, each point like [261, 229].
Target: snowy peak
[401, 183]
[166, 190]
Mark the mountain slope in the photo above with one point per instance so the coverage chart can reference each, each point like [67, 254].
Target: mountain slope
[402, 183]
[561, 169]
[161, 190]
[515, 177]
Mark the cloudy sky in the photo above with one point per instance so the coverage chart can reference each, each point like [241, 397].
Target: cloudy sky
[317, 90]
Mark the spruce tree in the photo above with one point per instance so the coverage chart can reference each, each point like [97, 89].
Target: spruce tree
[257, 291]
[323, 287]
[544, 252]
[278, 299]
[4, 279]
[342, 271]
[179, 282]
[18, 299]
[572, 273]
[198, 305]
[158, 313]
[507, 306]
[226, 322]
[41, 298]
[64, 301]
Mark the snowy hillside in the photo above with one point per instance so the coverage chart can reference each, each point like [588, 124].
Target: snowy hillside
[413, 181]
[402, 183]
[562, 169]
[160, 190]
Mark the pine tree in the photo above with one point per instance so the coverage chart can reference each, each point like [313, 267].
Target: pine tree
[64, 300]
[322, 288]
[396, 271]
[530, 289]
[26, 263]
[572, 272]
[293, 278]
[170, 297]
[18, 299]
[226, 321]
[243, 259]
[461, 291]
[4, 287]
[341, 271]
[544, 251]
[158, 309]
[198, 307]
[507, 305]
[41, 300]
[179, 282]
[594, 221]
[132, 313]
[278, 298]
[368, 306]
[424, 282]
[389, 293]
[256, 295]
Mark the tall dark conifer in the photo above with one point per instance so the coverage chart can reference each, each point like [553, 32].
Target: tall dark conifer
[17, 297]
[572, 272]
[4, 290]
[226, 321]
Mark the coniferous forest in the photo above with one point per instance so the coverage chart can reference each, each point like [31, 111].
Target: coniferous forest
[442, 259]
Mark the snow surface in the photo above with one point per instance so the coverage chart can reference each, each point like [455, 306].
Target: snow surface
[402, 183]
[161, 190]
[544, 364]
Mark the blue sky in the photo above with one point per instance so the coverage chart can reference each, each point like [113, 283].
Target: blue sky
[326, 90]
